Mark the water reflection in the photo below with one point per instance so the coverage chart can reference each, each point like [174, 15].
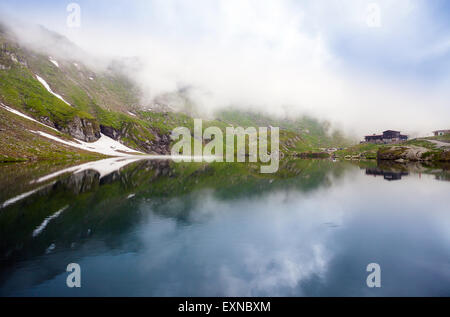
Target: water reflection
[155, 228]
[387, 175]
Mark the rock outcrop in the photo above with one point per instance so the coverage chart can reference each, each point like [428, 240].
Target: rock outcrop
[111, 132]
[161, 144]
[412, 153]
[150, 141]
[82, 129]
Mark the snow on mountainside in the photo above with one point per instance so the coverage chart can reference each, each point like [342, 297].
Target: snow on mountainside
[53, 61]
[62, 92]
[25, 116]
[104, 145]
[44, 83]
[59, 86]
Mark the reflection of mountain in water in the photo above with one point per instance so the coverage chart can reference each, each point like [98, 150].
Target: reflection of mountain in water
[70, 208]
[387, 175]
[90, 209]
[443, 176]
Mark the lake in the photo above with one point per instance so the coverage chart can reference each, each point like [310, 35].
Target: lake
[157, 228]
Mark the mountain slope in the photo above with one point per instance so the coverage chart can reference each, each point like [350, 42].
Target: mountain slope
[84, 102]
[96, 102]
[18, 143]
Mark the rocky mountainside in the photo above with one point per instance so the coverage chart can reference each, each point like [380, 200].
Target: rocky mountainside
[67, 95]
[83, 102]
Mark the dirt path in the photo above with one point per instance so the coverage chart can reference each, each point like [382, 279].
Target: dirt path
[438, 143]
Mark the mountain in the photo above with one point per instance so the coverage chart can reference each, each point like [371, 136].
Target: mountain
[78, 102]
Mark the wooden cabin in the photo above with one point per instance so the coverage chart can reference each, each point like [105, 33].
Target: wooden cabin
[388, 136]
[441, 132]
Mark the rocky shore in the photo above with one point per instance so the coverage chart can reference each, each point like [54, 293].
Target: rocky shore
[413, 153]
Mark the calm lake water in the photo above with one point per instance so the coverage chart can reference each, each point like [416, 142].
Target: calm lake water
[156, 228]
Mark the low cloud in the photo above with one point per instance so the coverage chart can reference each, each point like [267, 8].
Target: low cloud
[283, 58]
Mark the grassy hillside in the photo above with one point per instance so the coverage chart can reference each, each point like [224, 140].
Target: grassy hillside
[443, 138]
[411, 150]
[17, 143]
[19, 88]
[297, 135]
[107, 101]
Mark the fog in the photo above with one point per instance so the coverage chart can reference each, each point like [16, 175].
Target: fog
[283, 58]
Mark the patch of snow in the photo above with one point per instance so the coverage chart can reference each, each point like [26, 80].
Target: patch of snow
[44, 83]
[131, 114]
[44, 224]
[105, 145]
[103, 167]
[25, 116]
[50, 248]
[53, 61]
[22, 196]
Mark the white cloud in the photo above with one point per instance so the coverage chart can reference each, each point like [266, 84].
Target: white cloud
[283, 57]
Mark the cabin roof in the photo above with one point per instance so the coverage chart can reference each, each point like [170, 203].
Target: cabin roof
[381, 135]
[441, 131]
[374, 135]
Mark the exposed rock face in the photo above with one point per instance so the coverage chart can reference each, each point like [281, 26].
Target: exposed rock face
[82, 129]
[406, 153]
[159, 145]
[111, 132]
[47, 121]
[412, 153]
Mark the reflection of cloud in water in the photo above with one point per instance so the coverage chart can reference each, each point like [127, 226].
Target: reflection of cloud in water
[253, 247]
[283, 240]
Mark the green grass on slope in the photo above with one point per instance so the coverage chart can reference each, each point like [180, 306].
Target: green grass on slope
[17, 143]
[314, 134]
[19, 88]
[443, 138]
[83, 87]
[421, 143]
[368, 149]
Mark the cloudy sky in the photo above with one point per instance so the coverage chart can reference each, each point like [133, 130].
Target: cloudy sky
[364, 65]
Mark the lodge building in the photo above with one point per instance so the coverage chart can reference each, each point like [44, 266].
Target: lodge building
[441, 132]
[388, 136]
